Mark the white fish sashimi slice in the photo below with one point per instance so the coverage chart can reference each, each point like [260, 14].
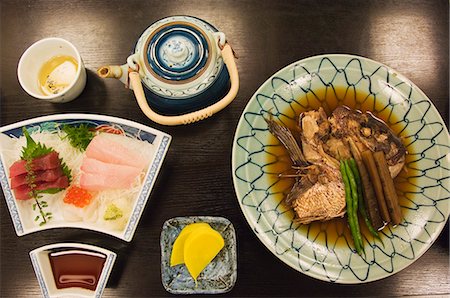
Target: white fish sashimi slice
[119, 149]
[98, 175]
[95, 166]
[99, 182]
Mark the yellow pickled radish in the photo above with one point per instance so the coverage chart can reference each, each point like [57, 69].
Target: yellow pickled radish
[200, 248]
[177, 256]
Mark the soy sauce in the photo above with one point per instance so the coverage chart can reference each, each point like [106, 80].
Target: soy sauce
[77, 268]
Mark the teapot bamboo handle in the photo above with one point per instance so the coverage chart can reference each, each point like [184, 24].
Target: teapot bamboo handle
[228, 59]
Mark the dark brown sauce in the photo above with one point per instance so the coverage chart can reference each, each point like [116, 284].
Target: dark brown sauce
[77, 268]
[334, 232]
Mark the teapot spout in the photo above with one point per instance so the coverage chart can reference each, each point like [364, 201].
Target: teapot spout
[114, 71]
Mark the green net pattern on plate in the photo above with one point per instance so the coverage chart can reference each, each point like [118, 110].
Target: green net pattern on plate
[425, 190]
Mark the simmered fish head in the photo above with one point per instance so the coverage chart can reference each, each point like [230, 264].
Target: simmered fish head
[315, 134]
[369, 132]
[319, 201]
[315, 148]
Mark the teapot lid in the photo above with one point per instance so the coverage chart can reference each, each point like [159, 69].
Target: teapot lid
[180, 56]
[177, 51]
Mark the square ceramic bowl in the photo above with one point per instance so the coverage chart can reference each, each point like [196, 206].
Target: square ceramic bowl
[218, 277]
[40, 258]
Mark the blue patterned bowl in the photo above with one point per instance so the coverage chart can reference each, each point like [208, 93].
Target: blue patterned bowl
[318, 249]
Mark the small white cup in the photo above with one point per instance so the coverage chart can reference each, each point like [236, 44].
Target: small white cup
[40, 52]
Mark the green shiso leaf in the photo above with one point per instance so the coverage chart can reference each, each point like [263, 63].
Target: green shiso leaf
[33, 149]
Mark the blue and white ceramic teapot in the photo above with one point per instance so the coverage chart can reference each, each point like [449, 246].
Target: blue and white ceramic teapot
[182, 70]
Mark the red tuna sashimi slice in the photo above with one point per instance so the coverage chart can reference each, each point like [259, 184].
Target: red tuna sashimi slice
[45, 162]
[98, 182]
[119, 149]
[23, 192]
[41, 176]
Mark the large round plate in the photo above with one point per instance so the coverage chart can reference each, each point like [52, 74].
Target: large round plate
[425, 203]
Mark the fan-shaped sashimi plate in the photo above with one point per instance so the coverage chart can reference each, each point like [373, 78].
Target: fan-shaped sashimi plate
[79, 171]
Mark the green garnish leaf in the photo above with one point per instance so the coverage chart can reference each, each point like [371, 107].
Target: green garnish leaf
[33, 149]
[79, 136]
[67, 172]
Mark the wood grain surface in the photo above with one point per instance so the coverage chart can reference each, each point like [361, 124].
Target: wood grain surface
[409, 36]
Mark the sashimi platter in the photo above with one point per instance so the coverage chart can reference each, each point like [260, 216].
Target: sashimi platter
[79, 170]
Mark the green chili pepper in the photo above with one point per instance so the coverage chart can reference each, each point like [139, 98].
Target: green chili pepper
[361, 206]
[354, 199]
[350, 210]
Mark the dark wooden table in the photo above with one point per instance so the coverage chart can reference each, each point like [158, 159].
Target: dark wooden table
[410, 36]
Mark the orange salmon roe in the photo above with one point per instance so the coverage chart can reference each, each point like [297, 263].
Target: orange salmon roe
[77, 196]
